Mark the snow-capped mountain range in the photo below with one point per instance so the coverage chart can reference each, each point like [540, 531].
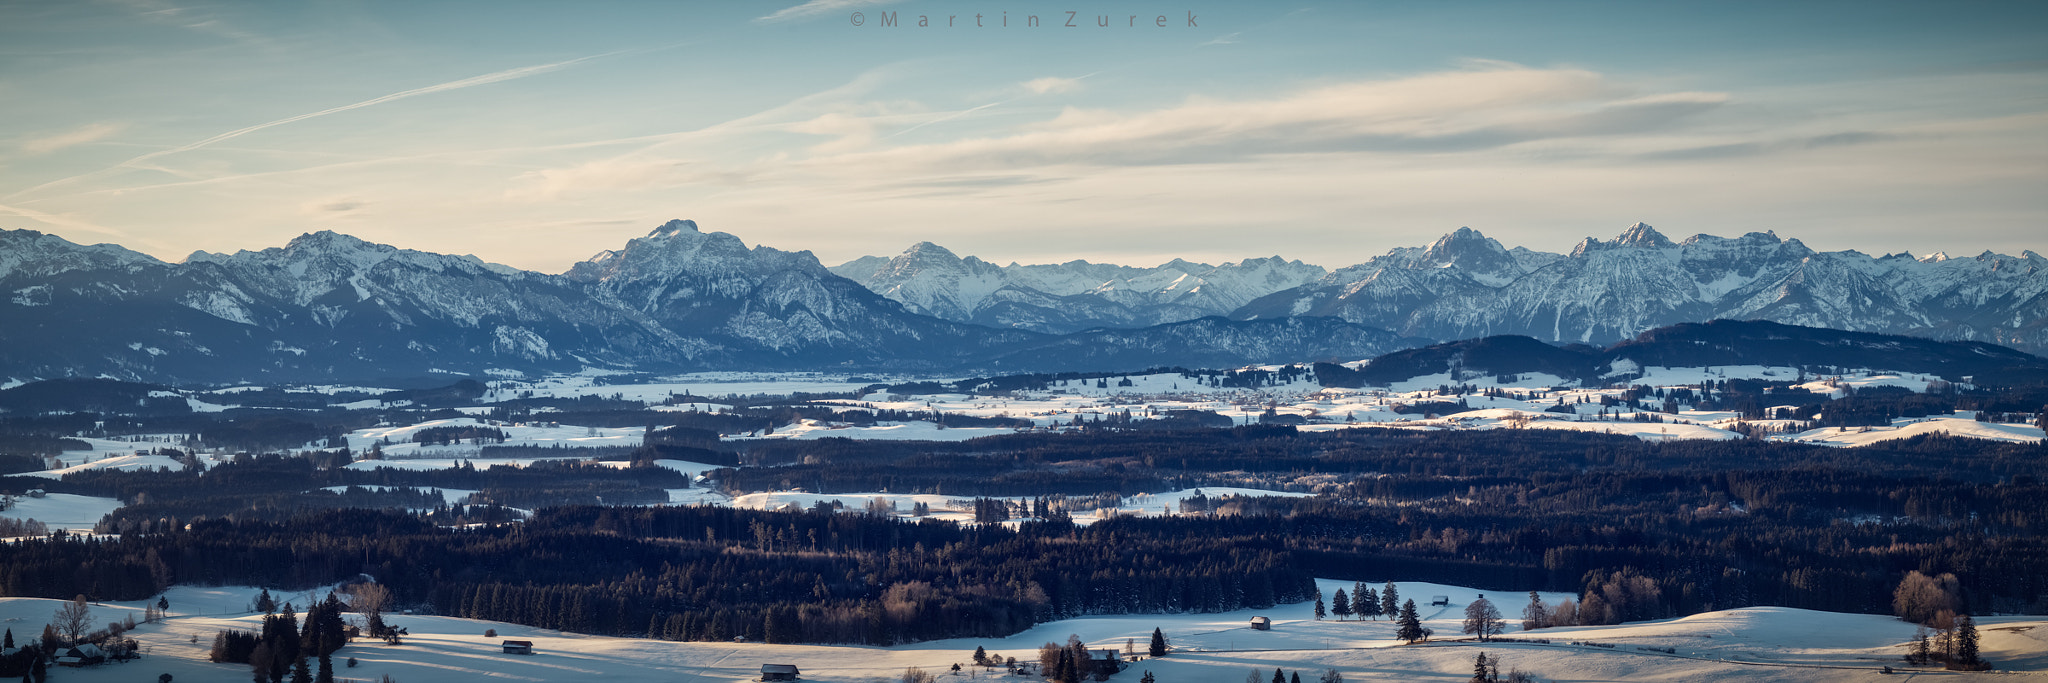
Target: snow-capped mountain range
[1071, 296]
[1468, 285]
[328, 306]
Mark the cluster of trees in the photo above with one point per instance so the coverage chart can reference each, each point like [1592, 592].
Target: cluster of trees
[449, 435]
[1073, 663]
[1487, 670]
[1362, 602]
[1935, 602]
[1279, 676]
[276, 487]
[284, 647]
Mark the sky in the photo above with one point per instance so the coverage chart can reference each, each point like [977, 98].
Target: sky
[536, 134]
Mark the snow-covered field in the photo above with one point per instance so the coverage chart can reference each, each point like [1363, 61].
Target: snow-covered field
[884, 431]
[1532, 401]
[123, 453]
[1963, 424]
[62, 510]
[397, 441]
[1754, 644]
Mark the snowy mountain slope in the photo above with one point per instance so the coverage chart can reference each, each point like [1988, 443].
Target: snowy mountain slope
[1604, 291]
[328, 306]
[770, 307]
[1071, 296]
[322, 305]
[1205, 342]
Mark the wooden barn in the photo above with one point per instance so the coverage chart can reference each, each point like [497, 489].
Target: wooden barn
[1262, 624]
[518, 647]
[779, 672]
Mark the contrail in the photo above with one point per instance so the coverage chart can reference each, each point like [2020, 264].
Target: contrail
[473, 81]
[965, 112]
[948, 117]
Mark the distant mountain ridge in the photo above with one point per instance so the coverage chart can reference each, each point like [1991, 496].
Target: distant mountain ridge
[1691, 345]
[328, 307]
[1072, 296]
[1466, 285]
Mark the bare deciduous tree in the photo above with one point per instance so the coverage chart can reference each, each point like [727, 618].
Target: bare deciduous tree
[73, 619]
[369, 598]
[1919, 597]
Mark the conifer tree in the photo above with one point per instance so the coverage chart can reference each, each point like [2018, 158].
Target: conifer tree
[1366, 602]
[1390, 602]
[1319, 606]
[1536, 615]
[1279, 677]
[1409, 626]
[1481, 673]
[1966, 644]
[1158, 647]
[1340, 605]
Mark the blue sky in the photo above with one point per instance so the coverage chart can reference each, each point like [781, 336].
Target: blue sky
[536, 134]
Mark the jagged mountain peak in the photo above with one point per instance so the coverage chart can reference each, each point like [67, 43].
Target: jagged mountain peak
[674, 226]
[1642, 235]
[318, 256]
[680, 248]
[330, 244]
[929, 250]
[28, 252]
[1461, 245]
[1765, 238]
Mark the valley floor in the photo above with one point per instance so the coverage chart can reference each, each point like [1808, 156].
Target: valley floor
[1754, 644]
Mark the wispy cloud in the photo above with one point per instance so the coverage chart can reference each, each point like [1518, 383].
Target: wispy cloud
[1053, 84]
[1037, 86]
[94, 132]
[1491, 106]
[196, 19]
[60, 221]
[471, 82]
[1225, 39]
[815, 8]
[334, 207]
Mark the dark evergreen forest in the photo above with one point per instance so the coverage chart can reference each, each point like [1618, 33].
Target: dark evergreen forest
[1659, 529]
